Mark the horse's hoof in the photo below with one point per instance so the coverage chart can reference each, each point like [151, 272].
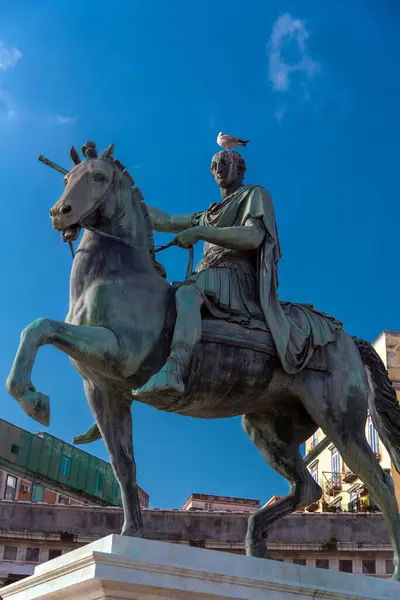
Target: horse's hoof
[131, 530]
[396, 575]
[37, 406]
[90, 436]
[256, 550]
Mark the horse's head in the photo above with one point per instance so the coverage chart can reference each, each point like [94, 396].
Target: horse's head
[89, 189]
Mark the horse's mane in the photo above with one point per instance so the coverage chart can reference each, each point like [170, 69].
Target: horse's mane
[138, 196]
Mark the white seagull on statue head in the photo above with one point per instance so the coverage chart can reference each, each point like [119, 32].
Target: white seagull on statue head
[230, 141]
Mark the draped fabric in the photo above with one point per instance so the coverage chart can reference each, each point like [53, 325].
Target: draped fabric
[243, 286]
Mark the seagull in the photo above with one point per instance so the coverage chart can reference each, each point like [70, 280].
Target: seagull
[230, 141]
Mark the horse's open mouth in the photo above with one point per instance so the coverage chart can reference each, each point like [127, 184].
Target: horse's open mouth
[70, 233]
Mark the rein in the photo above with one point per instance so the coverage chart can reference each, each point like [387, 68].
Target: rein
[189, 268]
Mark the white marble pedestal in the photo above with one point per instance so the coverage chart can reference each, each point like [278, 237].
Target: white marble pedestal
[116, 568]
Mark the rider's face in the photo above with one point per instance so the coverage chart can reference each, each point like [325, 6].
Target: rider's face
[224, 169]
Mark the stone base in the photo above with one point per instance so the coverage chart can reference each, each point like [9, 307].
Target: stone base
[116, 568]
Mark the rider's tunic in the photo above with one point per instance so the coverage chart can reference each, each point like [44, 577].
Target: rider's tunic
[228, 281]
[242, 286]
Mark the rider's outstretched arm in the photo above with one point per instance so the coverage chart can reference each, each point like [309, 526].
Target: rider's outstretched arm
[243, 237]
[161, 221]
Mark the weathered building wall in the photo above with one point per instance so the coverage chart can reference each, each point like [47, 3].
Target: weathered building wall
[336, 541]
[185, 526]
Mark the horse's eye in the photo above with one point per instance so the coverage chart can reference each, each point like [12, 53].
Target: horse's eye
[100, 178]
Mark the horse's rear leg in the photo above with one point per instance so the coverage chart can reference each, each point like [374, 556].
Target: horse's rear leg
[89, 345]
[278, 438]
[114, 420]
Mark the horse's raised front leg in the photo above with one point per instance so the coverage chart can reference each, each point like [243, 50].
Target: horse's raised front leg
[113, 416]
[96, 347]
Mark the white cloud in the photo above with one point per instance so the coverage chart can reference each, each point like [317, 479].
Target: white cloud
[8, 109]
[8, 57]
[60, 120]
[285, 31]
[280, 113]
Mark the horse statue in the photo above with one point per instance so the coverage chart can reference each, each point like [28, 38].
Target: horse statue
[118, 332]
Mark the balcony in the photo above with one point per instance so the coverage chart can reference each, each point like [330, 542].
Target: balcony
[313, 507]
[348, 476]
[333, 485]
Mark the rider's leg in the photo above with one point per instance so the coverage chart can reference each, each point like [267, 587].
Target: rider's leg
[187, 334]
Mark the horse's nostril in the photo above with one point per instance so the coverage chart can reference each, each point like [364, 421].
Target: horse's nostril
[66, 209]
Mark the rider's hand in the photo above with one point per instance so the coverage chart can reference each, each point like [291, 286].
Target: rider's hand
[188, 237]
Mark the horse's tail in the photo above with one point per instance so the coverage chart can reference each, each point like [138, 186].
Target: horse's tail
[382, 403]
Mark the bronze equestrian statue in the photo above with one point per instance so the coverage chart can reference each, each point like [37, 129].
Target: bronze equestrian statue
[219, 345]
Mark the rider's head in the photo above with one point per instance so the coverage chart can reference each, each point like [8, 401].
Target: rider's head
[227, 168]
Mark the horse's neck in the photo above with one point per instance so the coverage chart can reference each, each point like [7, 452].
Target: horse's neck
[124, 222]
[118, 245]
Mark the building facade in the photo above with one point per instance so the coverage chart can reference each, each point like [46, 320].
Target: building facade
[31, 533]
[220, 503]
[342, 490]
[42, 468]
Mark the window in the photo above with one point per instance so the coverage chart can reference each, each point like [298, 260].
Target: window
[314, 472]
[10, 552]
[65, 466]
[32, 555]
[335, 462]
[11, 488]
[14, 449]
[314, 440]
[299, 561]
[389, 567]
[354, 493]
[98, 482]
[346, 566]
[368, 567]
[37, 493]
[373, 436]
[208, 506]
[54, 553]
[322, 563]
[63, 500]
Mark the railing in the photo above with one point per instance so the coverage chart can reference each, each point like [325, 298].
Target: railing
[333, 483]
[313, 506]
[348, 476]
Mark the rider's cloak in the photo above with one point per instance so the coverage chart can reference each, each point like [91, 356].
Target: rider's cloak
[296, 329]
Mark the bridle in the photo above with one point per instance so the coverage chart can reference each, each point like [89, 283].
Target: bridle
[93, 209]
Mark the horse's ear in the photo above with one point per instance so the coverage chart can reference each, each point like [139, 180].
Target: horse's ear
[74, 156]
[108, 152]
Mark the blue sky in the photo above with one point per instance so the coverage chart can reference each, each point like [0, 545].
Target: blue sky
[314, 85]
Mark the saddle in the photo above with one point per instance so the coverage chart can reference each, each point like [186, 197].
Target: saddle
[220, 331]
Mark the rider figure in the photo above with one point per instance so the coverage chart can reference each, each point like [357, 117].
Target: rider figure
[226, 278]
